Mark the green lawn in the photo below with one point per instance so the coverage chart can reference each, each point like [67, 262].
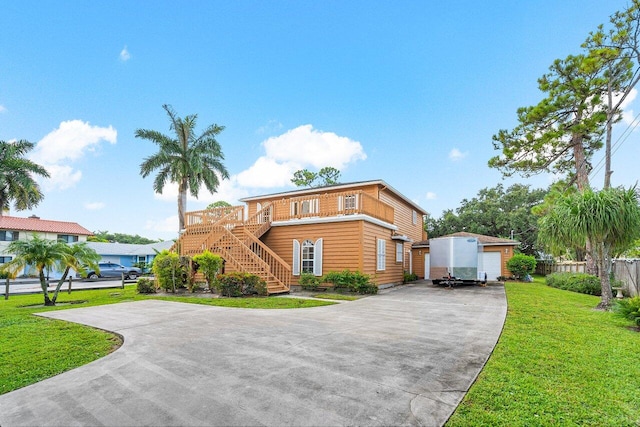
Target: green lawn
[34, 348]
[558, 362]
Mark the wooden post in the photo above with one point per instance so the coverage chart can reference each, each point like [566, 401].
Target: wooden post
[6, 289]
[122, 275]
[70, 280]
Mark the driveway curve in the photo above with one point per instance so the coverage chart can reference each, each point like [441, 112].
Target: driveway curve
[404, 357]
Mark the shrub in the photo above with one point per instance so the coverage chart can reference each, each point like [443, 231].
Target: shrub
[409, 277]
[209, 264]
[170, 271]
[629, 309]
[240, 284]
[520, 265]
[146, 286]
[354, 281]
[575, 282]
[309, 282]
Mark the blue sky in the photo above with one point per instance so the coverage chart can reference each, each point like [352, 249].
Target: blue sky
[410, 92]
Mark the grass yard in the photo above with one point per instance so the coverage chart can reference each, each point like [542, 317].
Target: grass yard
[34, 348]
[558, 362]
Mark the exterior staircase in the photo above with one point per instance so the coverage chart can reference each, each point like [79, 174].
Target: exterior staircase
[224, 231]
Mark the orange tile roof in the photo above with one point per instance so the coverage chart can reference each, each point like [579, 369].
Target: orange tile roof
[42, 225]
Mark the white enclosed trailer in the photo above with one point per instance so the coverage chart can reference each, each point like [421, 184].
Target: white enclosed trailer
[454, 260]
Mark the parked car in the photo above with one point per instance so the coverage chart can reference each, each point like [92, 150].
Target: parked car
[110, 269]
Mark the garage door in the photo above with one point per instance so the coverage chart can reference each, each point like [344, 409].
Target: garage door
[491, 262]
[427, 266]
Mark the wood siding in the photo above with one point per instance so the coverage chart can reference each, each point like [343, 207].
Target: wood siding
[341, 244]
[404, 216]
[393, 272]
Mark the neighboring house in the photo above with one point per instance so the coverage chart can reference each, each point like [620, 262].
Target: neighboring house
[128, 254]
[366, 226]
[14, 228]
[492, 259]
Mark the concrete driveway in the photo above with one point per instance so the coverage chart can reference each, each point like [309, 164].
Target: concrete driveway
[404, 357]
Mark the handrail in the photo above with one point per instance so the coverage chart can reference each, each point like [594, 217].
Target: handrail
[330, 205]
[260, 222]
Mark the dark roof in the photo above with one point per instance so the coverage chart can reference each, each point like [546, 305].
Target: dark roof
[482, 239]
[42, 225]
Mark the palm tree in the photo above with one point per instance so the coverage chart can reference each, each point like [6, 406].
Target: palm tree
[78, 257]
[39, 253]
[609, 218]
[16, 176]
[187, 160]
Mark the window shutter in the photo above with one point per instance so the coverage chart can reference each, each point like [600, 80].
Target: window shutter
[340, 203]
[296, 258]
[317, 258]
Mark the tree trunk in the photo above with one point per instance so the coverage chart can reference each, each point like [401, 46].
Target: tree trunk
[182, 204]
[43, 285]
[582, 182]
[607, 155]
[605, 282]
[59, 285]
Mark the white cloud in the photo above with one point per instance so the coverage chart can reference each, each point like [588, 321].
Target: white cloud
[69, 143]
[431, 195]
[309, 147]
[94, 206]
[124, 54]
[3, 109]
[61, 177]
[271, 126]
[299, 148]
[627, 113]
[456, 154]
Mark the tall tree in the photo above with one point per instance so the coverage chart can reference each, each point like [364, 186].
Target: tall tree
[42, 254]
[609, 218]
[326, 176]
[187, 160]
[495, 212]
[17, 181]
[560, 133]
[619, 45]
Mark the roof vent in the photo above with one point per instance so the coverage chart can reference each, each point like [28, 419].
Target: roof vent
[34, 217]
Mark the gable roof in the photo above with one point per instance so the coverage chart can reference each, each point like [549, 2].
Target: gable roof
[345, 186]
[482, 239]
[38, 225]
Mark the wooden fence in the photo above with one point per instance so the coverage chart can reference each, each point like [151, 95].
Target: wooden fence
[626, 270]
[545, 267]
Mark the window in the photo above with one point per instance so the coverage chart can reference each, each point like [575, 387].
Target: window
[348, 202]
[142, 258]
[67, 238]
[381, 255]
[307, 258]
[304, 207]
[4, 259]
[399, 252]
[415, 217]
[8, 236]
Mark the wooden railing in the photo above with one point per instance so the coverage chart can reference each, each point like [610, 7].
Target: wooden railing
[256, 259]
[199, 234]
[329, 205]
[260, 222]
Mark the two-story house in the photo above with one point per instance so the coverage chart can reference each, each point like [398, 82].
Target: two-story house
[366, 226]
[14, 228]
